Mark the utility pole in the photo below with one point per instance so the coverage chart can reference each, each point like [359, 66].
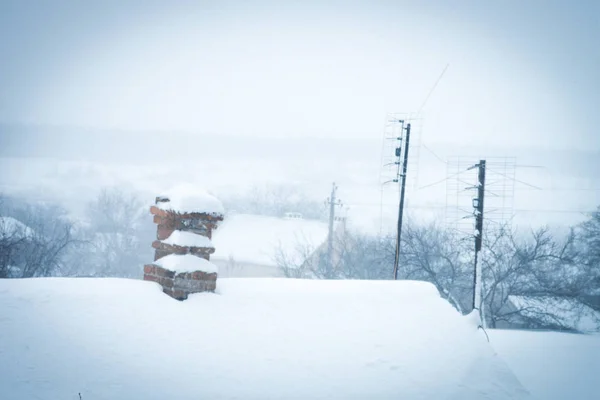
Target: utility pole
[478, 205]
[333, 202]
[402, 188]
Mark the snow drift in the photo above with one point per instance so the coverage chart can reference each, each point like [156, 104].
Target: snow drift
[552, 365]
[253, 339]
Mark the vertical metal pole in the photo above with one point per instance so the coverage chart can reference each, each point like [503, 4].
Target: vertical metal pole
[401, 205]
[330, 236]
[478, 235]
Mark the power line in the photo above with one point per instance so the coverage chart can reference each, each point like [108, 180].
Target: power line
[442, 206]
[515, 180]
[425, 102]
[563, 189]
[434, 154]
[549, 189]
[441, 180]
[432, 90]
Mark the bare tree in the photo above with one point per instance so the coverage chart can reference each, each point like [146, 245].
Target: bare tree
[297, 263]
[115, 211]
[589, 236]
[439, 256]
[275, 200]
[534, 280]
[363, 257]
[354, 257]
[588, 243]
[13, 238]
[118, 232]
[306, 259]
[34, 239]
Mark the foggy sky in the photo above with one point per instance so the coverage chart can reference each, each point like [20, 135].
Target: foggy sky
[522, 74]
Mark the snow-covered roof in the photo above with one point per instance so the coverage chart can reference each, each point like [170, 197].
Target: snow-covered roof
[188, 239]
[186, 198]
[568, 313]
[123, 339]
[186, 263]
[256, 239]
[11, 227]
[551, 365]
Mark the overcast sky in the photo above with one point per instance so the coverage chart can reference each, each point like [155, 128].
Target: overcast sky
[520, 72]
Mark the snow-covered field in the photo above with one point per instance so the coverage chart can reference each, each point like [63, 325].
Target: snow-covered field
[552, 365]
[254, 339]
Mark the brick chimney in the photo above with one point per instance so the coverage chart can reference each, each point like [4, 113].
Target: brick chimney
[185, 218]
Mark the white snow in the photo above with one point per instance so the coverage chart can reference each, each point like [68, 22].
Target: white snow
[186, 263]
[187, 198]
[253, 339]
[256, 239]
[188, 239]
[552, 365]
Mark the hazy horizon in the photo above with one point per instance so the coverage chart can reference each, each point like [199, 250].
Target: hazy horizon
[235, 94]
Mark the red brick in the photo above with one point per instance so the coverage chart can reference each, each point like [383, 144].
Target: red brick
[158, 211]
[166, 282]
[163, 231]
[158, 254]
[164, 272]
[166, 249]
[183, 275]
[149, 269]
[151, 278]
[176, 294]
[179, 294]
[197, 275]
[203, 252]
[177, 249]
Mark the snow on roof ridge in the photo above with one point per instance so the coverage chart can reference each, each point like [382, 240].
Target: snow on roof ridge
[188, 239]
[186, 263]
[188, 198]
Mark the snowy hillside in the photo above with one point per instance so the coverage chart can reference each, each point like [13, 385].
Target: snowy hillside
[253, 339]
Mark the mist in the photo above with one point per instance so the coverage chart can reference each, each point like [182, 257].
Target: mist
[251, 93]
